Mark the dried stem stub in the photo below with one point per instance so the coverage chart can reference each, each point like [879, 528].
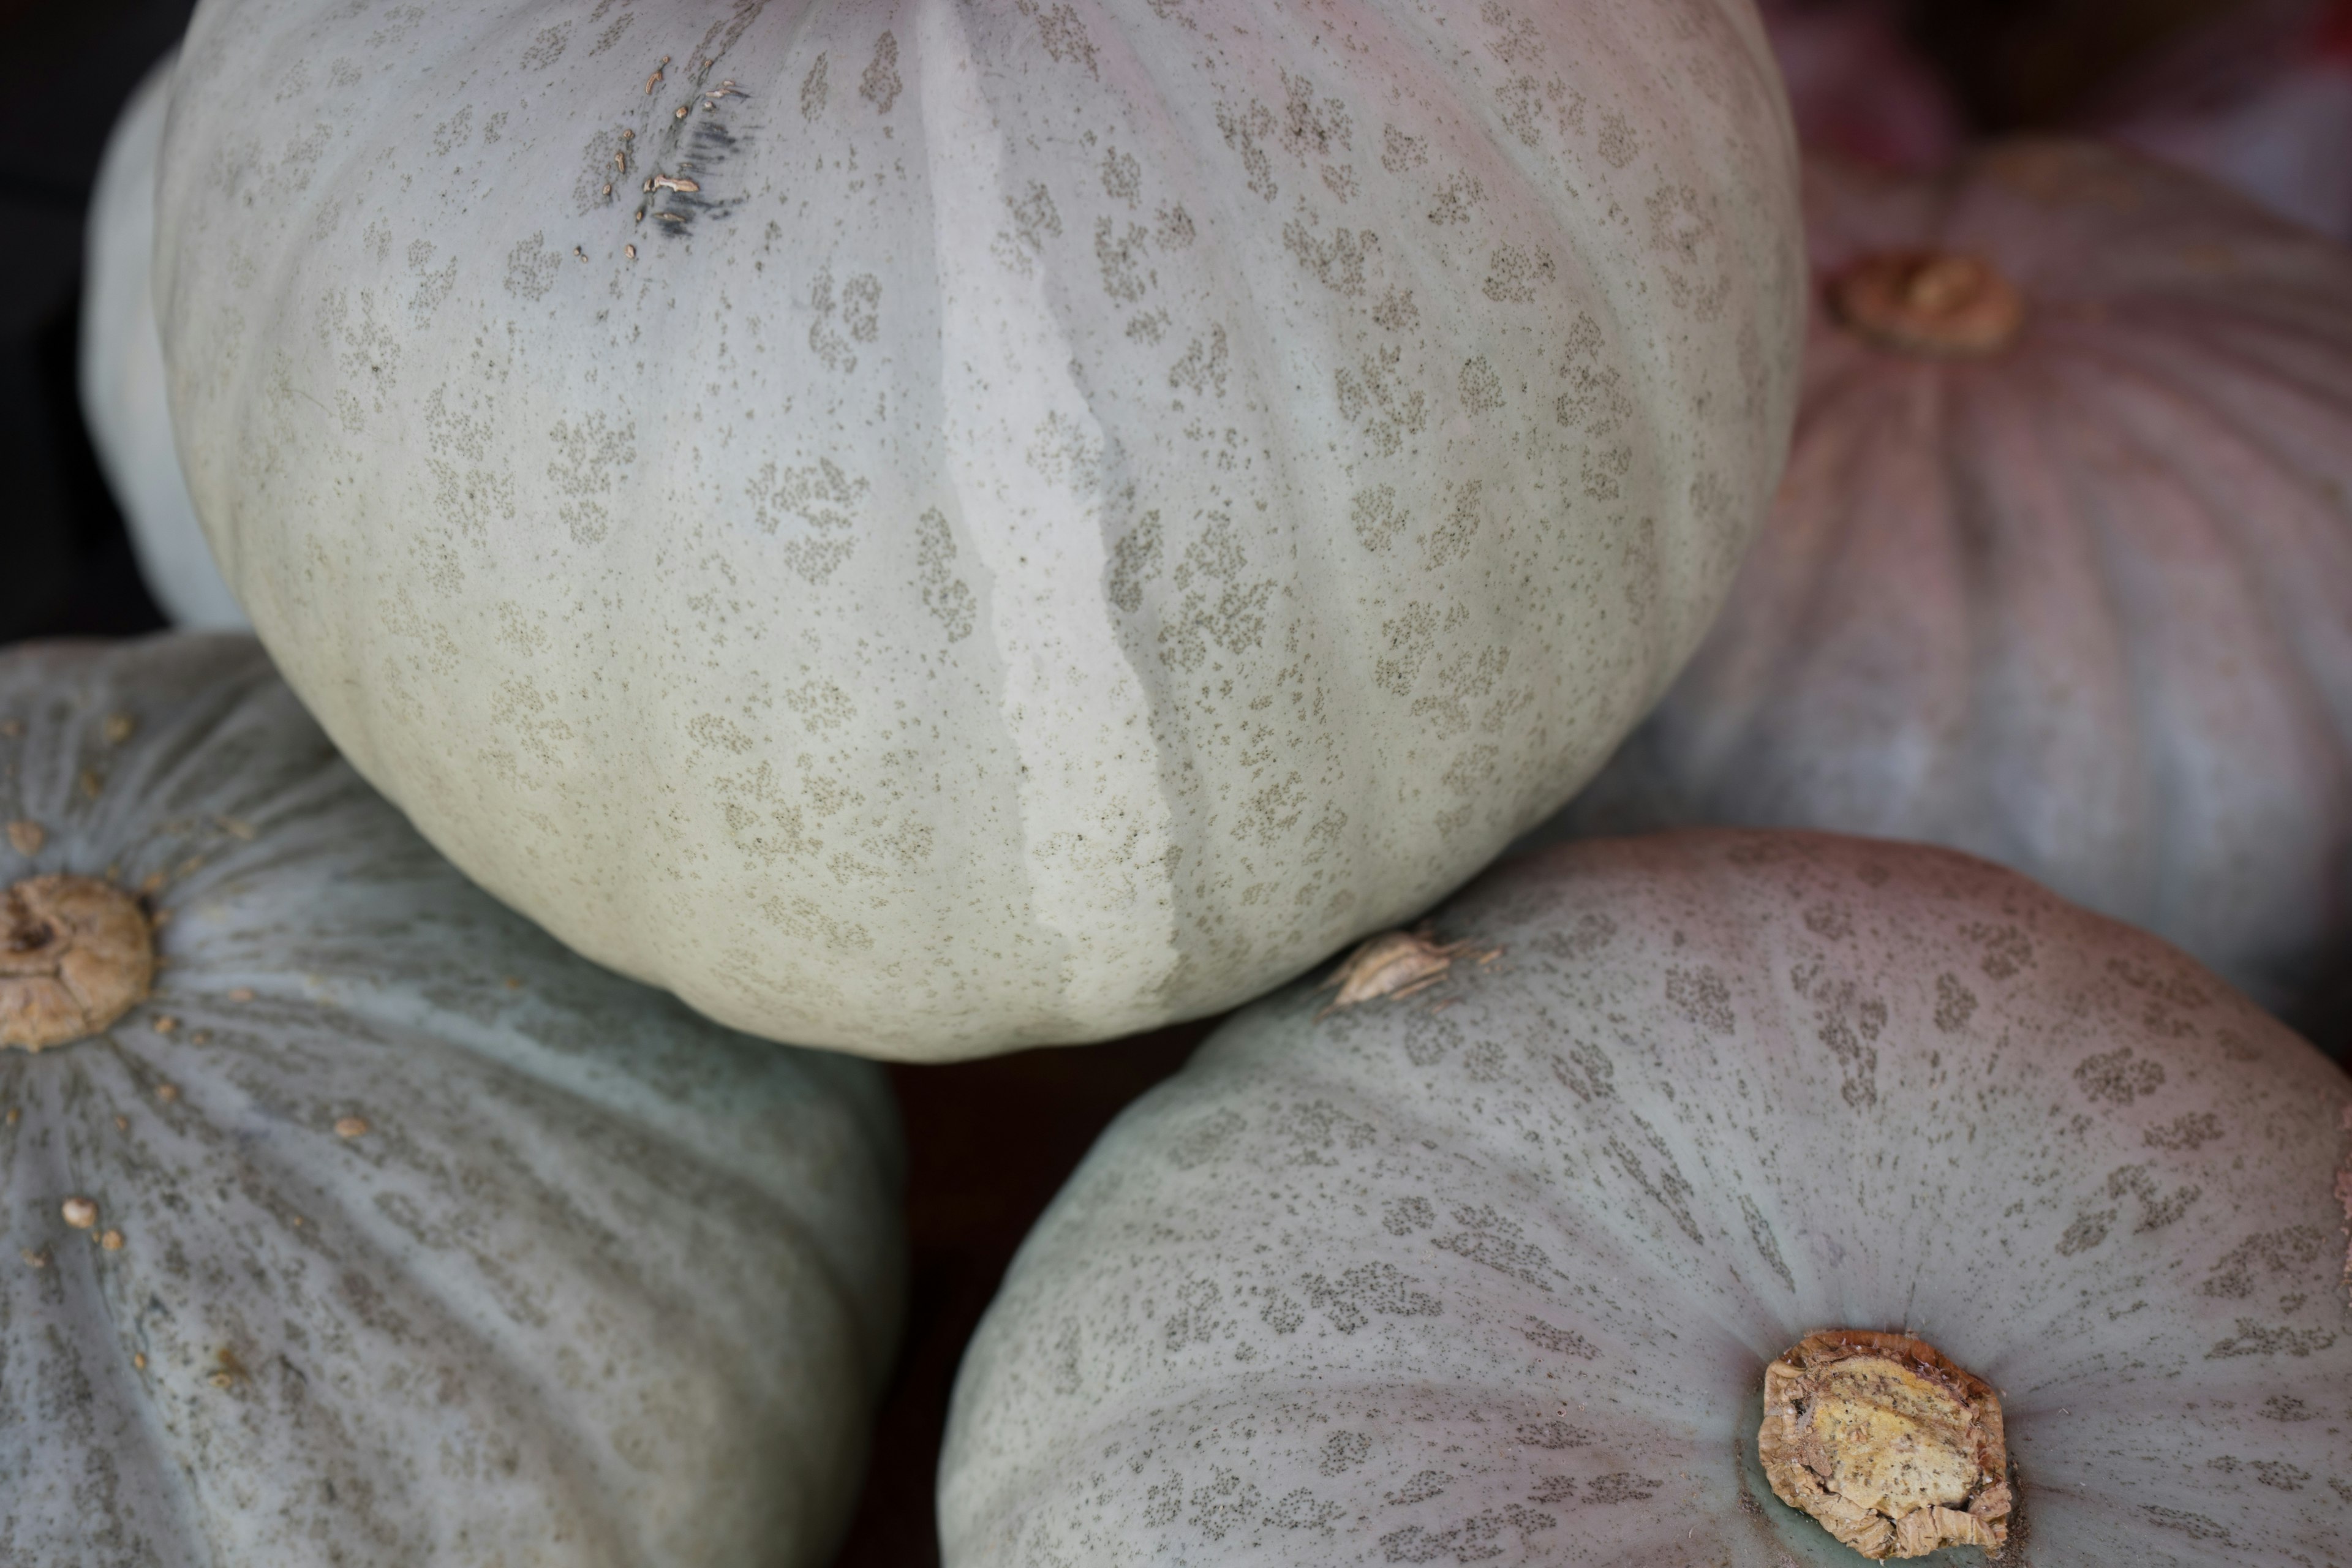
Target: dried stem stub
[76, 953]
[1895, 1450]
[1929, 302]
[1396, 964]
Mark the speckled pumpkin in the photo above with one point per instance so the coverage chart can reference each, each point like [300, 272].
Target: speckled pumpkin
[121, 371]
[928, 527]
[385, 1231]
[1491, 1271]
[2079, 600]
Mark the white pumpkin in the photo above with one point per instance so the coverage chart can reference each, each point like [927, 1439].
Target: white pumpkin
[2080, 602]
[386, 1231]
[927, 528]
[121, 371]
[1492, 1271]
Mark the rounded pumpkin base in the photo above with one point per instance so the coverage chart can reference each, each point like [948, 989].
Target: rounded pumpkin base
[1895, 1450]
[1929, 302]
[76, 953]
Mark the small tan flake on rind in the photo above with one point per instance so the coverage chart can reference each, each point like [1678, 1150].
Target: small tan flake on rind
[27, 837]
[76, 953]
[1397, 963]
[1895, 1450]
[351, 1127]
[80, 1212]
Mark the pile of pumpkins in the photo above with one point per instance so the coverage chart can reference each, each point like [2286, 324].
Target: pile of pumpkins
[924, 529]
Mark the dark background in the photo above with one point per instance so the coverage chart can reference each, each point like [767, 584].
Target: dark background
[991, 1142]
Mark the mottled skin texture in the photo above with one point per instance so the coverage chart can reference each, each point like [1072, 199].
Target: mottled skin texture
[598, 1284]
[1492, 1274]
[121, 370]
[1084, 508]
[2084, 607]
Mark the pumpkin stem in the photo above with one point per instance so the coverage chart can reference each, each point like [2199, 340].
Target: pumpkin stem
[1894, 1450]
[76, 953]
[1929, 302]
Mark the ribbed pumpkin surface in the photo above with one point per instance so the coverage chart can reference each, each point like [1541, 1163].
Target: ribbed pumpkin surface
[412, 1238]
[927, 529]
[2083, 605]
[1490, 1272]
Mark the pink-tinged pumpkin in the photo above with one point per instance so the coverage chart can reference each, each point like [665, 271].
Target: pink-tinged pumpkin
[1856, 85]
[1481, 1255]
[2060, 573]
[2260, 98]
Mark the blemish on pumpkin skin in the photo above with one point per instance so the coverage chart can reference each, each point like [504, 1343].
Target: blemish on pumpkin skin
[1397, 965]
[79, 1211]
[27, 837]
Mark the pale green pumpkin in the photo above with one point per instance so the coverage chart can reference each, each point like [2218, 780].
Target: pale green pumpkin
[385, 1231]
[1490, 1272]
[931, 528]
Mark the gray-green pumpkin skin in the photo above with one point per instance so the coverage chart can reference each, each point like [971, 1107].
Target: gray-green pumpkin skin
[1490, 1273]
[600, 1283]
[927, 528]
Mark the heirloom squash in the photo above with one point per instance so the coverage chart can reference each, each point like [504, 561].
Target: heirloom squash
[2075, 592]
[1489, 1252]
[381, 1230]
[121, 371]
[927, 528]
